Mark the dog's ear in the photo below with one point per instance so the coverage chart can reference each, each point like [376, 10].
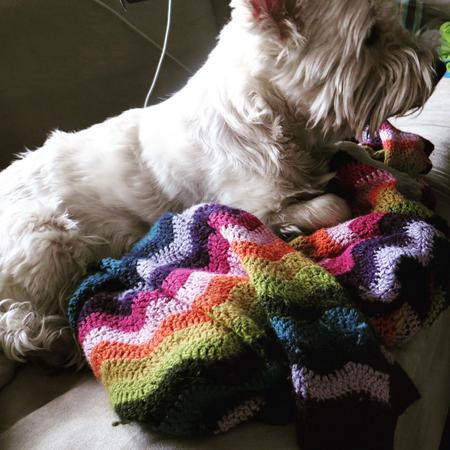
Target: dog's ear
[276, 9]
[264, 8]
[282, 16]
[284, 13]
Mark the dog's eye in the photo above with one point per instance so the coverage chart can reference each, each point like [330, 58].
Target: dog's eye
[373, 36]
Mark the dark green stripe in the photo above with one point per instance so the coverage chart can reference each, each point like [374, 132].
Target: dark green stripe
[195, 395]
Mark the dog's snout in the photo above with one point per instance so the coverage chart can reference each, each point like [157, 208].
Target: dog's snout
[439, 69]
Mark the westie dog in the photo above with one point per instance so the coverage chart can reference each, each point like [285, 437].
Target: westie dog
[252, 129]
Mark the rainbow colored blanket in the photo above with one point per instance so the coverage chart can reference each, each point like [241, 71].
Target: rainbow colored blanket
[211, 319]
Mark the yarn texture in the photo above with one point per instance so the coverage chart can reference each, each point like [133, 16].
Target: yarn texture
[212, 320]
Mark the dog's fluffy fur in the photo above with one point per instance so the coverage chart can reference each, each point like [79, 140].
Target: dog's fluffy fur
[287, 79]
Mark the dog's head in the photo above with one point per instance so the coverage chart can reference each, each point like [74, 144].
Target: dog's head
[340, 64]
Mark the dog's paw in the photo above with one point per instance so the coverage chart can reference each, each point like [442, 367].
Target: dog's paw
[7, 370]
[353, 149]
[288, 231]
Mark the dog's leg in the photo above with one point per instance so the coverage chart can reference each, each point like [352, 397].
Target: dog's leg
[324, 211]
[405, 183]
[28, 334]
[39, 269]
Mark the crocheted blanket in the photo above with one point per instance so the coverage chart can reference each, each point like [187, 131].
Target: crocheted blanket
[211, 319]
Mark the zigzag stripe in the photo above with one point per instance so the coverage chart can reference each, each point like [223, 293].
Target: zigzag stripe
[131, 322]
[370, 265]
[383, 283]
[352, 378]
[177, 249]
[91, 334]
[163, 314]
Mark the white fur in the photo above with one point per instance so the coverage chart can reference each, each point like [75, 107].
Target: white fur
[251, 129]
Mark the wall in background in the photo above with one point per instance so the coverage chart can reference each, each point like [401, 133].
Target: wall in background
[69, 63]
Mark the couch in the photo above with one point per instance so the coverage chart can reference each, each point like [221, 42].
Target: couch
[72, 63]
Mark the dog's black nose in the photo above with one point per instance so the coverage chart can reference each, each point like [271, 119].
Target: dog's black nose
[440, 69]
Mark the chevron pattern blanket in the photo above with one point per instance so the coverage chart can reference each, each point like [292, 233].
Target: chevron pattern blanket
[211, 319]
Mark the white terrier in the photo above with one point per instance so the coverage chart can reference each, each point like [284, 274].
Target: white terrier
[251, 129]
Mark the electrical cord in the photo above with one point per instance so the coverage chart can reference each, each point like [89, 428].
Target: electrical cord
[163, 49]
[163, 53]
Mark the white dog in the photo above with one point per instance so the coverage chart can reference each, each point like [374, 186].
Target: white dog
[287, 80]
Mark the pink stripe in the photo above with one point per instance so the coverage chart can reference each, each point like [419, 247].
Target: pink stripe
[341, 264]
[218, 251]
[156, 312]
[175, 280]
[217, 220]
[367, 226]
[130, 323]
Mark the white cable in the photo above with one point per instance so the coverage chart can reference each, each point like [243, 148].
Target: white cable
[163, 53]
[142, 34]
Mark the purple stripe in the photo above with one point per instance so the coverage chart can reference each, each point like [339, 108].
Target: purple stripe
[352, 378]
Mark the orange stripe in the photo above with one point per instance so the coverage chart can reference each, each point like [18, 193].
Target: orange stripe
[272, 251]
[217, 292]
[322, 245]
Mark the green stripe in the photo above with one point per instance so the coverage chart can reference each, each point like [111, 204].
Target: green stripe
[148, 378]
[132, 368]
[311, 286]
[188, 405]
